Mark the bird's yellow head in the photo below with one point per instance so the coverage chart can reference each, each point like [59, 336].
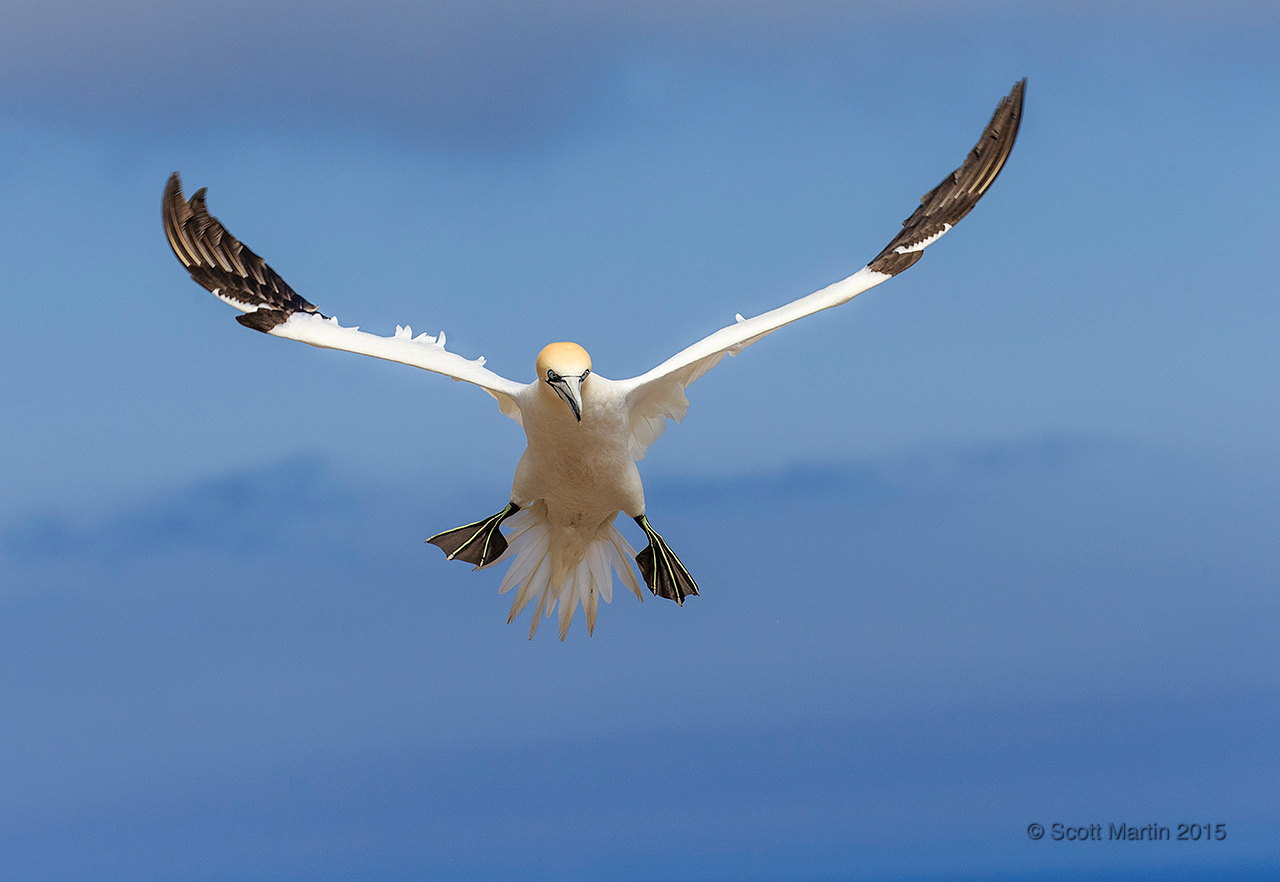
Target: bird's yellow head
[564, 367]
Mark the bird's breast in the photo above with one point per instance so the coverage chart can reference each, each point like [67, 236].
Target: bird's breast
[582, 469]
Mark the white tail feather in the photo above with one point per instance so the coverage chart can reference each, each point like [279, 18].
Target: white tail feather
[622, 554]
[585, 582]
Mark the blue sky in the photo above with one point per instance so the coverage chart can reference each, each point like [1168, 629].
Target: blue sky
[1009, 554]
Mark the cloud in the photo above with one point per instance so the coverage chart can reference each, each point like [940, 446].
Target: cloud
[465, 72]
[245, 511]
[877, 649]
[867, 795]
[254, 65]
[468, 74]
[876, 481]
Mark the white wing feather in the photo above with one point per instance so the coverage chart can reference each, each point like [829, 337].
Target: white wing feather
[222, 264]
[658, 395]
[423, 351]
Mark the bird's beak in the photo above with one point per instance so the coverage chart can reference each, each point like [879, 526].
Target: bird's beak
[570, 390]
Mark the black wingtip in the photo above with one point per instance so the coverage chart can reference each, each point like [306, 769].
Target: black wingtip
[946, 204]
[219, 262]
[173, 209]
[263, 319]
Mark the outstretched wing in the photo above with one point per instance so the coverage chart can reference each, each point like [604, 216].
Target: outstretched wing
[222, 264]
[658, 395]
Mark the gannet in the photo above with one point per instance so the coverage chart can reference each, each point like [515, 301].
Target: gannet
[585, 433]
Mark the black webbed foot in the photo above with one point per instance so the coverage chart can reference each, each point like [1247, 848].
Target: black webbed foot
[662, 570]
[480, 543]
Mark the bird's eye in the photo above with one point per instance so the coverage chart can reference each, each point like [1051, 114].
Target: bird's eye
[552, 376]
[584, 375]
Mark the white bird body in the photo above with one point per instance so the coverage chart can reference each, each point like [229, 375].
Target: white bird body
[582, 474]
[584, 432]
[584, 471]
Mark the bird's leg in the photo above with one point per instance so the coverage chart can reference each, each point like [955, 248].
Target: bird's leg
[662, 570]
[480, 543]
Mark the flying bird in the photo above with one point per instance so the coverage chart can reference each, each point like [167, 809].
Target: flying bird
[585, 432]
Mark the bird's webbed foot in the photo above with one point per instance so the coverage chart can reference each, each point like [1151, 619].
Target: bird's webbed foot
[480, 543]
[662, 570]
